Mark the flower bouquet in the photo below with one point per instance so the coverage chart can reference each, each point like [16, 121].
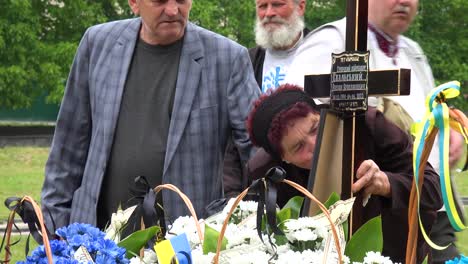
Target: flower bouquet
[244, 232]
[251, 232]
[305, 240]
[80, 243]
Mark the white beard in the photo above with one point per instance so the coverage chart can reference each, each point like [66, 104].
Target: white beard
[281, 37]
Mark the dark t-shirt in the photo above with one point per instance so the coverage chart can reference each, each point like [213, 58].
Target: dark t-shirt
[140, 139]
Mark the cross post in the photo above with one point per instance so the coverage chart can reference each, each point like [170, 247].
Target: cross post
[348, 86]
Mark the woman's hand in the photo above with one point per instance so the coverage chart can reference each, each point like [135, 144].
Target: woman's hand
[371, 180]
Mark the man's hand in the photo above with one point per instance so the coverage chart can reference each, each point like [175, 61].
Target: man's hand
[371, 180]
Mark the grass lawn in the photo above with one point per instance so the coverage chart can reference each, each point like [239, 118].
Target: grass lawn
[17, 251]
[22, 173]
[461, 181]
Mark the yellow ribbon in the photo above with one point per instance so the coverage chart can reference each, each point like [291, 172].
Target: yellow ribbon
[437, 115]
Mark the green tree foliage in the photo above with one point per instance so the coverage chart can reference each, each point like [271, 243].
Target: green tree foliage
[441, 28]
[232, 18]
[38, 38]
[319, 12]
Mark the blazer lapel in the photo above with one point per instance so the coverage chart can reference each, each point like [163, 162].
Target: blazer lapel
[188, 79]
[123, 49]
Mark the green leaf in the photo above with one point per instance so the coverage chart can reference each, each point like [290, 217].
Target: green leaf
[345, 228]
[290, 210]
[367, 238]
[283, 215]
[210, 241]
[281, 240]
[332, 199]
[295, 204]
[136, 241]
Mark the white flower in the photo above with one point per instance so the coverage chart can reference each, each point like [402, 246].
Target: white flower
[292, 225]
[306, 236]
[149, 257]
[306, 256]
[302, 235]
[248, 206]
[136, 260]
[376, 258]
[199, 258]
[253, 257]
[185, 224]
[301, 223]
[118, 221]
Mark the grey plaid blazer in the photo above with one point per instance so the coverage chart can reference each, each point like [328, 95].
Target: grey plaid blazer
[214, 92]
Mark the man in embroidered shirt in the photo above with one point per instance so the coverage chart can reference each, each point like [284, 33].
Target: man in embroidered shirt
[388, 20]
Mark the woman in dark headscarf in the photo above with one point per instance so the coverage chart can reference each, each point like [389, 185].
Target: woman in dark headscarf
[284, 123]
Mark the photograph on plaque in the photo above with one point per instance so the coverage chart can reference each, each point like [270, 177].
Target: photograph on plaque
[348, 81]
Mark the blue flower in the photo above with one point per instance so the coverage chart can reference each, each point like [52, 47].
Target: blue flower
[110, 251]
[461, 260]
[59, 250]
[77, 235]
[77, 229]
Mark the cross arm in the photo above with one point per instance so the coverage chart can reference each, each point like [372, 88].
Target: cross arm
[380, 83]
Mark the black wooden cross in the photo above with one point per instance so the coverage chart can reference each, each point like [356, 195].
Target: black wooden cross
[350, 106]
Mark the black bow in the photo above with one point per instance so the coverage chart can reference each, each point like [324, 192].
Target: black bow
[267, 193]
[25, 210]
[146, 198]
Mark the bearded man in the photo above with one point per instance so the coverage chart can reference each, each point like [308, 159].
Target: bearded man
[279, 31]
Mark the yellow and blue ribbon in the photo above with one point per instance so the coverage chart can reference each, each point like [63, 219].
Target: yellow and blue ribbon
[437, 115]
[177, 248]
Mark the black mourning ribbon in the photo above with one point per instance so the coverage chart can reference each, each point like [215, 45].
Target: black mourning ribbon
[267, 192]
[26, 211]
[146, 200]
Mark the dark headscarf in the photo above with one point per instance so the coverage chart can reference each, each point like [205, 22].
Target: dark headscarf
[280, 100]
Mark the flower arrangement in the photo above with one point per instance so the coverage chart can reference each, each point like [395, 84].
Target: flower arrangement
[305, 240]
[238, 234]
[80, 243]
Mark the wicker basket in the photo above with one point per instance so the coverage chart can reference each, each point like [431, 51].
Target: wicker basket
[297, 187]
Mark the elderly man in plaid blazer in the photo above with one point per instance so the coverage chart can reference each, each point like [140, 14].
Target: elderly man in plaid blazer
[153, 96]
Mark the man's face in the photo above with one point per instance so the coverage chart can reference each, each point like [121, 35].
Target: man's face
[164, 21]
[392, 16]
[279, 22]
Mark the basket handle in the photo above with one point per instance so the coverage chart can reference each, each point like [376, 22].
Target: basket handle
[38, 212]
[187, 202]
[300, 189]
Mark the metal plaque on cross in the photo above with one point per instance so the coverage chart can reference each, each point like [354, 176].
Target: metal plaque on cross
[348, 81]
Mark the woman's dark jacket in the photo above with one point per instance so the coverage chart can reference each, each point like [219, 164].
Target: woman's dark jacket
[391, 150]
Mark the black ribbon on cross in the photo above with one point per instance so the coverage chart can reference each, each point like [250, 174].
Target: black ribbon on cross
[266, 190]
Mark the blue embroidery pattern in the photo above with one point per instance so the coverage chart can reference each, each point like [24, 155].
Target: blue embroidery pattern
[273, 79]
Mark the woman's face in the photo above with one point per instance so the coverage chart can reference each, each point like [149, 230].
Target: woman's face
[298, 142]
